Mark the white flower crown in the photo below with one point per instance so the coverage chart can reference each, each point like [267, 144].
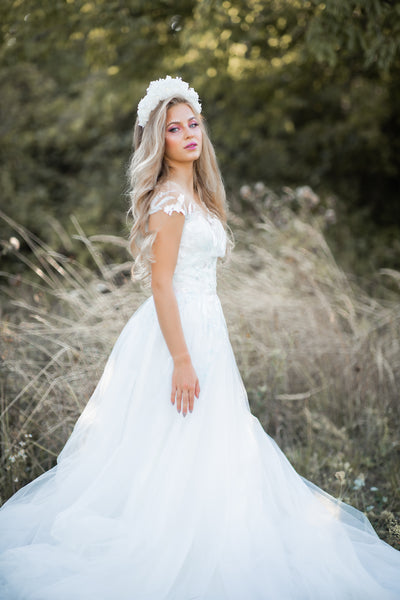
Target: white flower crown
[161, 89]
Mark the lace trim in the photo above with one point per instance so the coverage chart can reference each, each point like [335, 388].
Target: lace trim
[169, 202]
[178, 206]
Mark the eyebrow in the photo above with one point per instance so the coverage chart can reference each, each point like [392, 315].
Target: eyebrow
[179, 122]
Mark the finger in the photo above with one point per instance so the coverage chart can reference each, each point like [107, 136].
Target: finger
[191, 400]
[179, 400]
[197, 389]
[173, 394]
[185, 398]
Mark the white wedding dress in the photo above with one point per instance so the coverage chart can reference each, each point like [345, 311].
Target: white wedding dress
[145, 504]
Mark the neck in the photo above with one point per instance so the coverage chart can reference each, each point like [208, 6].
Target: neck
[182, 174]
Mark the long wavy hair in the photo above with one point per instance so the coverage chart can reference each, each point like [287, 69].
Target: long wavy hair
[148, 169]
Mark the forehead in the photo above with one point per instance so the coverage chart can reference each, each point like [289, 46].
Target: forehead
[179, 112]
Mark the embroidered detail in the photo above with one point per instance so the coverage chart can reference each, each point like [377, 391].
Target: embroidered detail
[169, 202]
[178, 206]
[203, 240]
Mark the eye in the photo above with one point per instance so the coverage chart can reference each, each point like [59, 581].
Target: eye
[173, 129]
[194, 124]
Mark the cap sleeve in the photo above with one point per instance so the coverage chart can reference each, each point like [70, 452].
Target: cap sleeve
[169, 202]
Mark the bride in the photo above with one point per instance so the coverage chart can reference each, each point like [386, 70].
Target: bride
[168, 487]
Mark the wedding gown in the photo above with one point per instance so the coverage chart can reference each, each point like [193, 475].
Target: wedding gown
[145, 504]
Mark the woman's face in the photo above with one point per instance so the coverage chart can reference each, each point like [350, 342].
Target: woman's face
[183, 135]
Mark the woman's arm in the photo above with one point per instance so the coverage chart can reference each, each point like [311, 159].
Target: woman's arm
[185, 384]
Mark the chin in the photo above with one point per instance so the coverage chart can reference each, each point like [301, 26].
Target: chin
[195, 155]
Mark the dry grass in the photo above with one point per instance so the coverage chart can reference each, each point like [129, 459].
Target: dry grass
[320, 359]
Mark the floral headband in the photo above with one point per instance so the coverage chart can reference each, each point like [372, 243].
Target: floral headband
[161, 89]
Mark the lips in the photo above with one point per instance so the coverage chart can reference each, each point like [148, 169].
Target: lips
[191, 146]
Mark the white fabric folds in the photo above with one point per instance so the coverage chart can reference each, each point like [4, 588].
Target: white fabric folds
[147, 505]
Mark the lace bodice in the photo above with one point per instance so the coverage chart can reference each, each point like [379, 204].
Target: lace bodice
[203, 241]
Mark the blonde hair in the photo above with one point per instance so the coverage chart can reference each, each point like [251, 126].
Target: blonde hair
[148, 169]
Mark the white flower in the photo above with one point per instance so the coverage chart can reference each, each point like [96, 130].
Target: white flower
[161, 89]
[330, 216]
[245, 192]
[259, 187]
[14, 243]
[306, 194]
[341, 475]
[359, 482]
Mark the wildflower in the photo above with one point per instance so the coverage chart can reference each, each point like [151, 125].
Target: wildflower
[259, 187]
[330, 216]
[306, 194]
[245, 192]
[14, 243]
[359, 482]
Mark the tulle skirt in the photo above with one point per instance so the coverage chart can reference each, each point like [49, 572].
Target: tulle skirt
[145, 504]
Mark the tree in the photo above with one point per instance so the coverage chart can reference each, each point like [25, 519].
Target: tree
[294, 91]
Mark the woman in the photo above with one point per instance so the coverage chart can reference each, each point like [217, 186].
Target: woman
[146, 505]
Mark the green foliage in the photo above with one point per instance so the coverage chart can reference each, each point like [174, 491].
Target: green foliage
[367, 31]
[294, 92]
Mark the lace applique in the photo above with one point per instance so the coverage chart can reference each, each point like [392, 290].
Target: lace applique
[169, 202]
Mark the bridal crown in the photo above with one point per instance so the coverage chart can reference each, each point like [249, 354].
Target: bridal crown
[161, 89]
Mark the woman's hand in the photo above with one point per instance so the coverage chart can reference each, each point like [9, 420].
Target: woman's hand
[185, 384]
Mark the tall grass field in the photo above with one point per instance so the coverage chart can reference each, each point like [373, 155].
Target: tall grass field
[319, 357]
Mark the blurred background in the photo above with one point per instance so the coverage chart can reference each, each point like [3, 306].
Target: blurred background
[302, 100]
[295, 92]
